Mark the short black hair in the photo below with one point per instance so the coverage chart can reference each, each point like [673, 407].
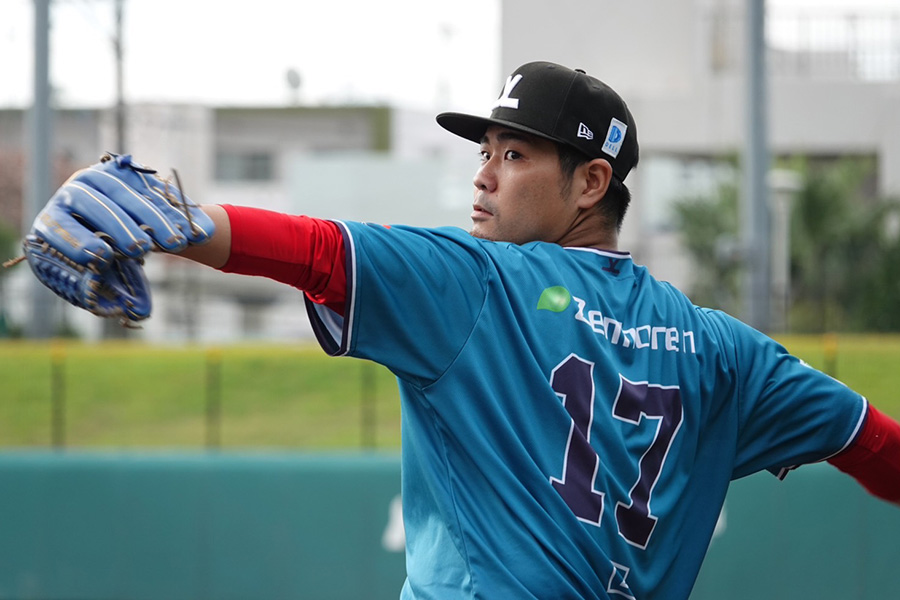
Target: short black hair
[618, 196]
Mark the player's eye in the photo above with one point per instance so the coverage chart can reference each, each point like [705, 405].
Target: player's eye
[512, 155]
[484, 156]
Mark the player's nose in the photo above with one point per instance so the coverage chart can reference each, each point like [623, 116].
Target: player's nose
[485, 179]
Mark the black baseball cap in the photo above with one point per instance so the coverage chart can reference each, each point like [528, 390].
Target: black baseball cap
[563, 105]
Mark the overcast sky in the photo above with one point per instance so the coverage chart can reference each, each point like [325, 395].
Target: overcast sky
[197, 50]
[424, 55]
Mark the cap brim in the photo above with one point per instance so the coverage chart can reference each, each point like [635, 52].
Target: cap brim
[473, 128]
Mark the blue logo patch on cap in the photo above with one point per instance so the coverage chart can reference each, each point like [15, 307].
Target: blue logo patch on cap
[614, 137]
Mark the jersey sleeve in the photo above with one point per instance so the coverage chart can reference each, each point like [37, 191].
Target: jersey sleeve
[413, 297]
[790, 414]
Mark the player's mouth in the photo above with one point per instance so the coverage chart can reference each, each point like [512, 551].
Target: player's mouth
[480, 213]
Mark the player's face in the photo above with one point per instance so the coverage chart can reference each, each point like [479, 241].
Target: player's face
[520, 191]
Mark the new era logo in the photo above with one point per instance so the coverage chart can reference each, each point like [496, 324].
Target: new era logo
[585, 132]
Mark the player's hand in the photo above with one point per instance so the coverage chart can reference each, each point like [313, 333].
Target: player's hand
[88, 243]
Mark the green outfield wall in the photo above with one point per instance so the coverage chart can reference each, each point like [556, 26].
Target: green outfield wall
[78, 526]
[815, 535]
[196, 527]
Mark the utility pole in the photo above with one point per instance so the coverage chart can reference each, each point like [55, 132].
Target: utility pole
[120, 79]
[755, 222]
[40, 168]
[112, 329]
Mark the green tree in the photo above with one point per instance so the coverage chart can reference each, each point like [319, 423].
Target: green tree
[709, 231]
[843, 250]
[845, 247]
[876, 308]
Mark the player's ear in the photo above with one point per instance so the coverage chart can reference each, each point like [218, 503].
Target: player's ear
[595, 177]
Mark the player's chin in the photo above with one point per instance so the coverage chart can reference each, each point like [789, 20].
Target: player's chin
[481, 232]
[493, 234]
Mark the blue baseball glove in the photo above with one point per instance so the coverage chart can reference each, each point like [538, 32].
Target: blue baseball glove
[88, 244]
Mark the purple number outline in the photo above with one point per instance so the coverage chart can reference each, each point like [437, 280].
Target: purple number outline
[573, 382]
[634, 402]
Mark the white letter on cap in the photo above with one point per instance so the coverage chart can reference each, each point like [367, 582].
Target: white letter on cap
[504, 100]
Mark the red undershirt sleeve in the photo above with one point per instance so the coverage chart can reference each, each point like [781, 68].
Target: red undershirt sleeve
[874, 457]
[300, 251]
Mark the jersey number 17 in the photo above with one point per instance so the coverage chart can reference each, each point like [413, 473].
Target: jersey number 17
[573, 382]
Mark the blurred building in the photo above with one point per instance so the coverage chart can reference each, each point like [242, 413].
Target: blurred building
[348, 162]
[834, 87]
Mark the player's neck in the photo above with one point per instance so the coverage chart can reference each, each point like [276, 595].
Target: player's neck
[600, 242]
[609, 243]
[591, 232]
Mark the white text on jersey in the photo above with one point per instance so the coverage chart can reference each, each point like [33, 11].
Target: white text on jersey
[644, 336]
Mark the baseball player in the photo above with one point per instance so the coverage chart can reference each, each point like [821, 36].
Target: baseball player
[570, 424]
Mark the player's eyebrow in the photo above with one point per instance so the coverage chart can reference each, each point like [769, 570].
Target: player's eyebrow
[510, 135]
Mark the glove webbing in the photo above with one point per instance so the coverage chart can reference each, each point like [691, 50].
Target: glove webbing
[64, 283]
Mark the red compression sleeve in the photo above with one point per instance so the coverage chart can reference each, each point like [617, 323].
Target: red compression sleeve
[874, 457]
[303, 252]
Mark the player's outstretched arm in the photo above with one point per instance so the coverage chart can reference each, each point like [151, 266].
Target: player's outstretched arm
[874, 457]
[301, 251]
[216, 252]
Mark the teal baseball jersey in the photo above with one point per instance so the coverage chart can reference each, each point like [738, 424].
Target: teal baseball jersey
[570, 424]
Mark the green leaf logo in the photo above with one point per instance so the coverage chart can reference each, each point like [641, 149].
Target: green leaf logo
[556, 299]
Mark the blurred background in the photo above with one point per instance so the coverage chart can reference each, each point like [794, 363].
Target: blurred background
[768, 176]
[768, 187]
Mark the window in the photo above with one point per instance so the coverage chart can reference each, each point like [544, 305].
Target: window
[244, 166]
